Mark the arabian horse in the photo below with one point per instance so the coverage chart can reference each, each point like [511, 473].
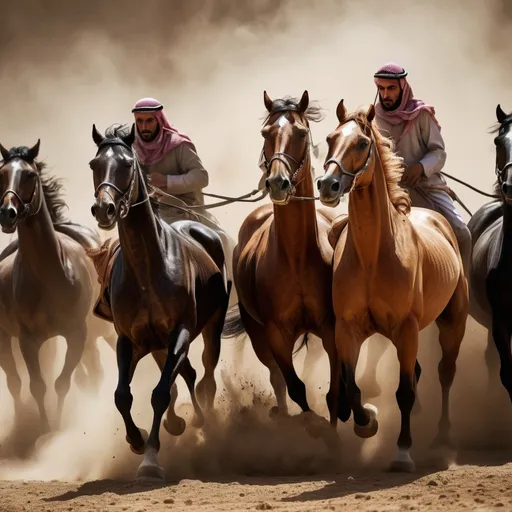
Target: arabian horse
[282, 263]
[47, 282]
[167, 284]
[396, 269]
[491, 265]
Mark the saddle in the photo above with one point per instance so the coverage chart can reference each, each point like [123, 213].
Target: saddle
[103, 260]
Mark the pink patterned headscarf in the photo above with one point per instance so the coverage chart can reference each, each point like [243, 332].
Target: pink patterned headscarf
[409, 108]
[167, 139]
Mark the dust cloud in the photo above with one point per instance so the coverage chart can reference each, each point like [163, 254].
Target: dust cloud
[65, 66]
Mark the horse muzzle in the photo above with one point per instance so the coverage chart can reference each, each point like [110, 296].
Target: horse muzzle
[9, 217]
[104, 211]
[280, 189]
[331, 190]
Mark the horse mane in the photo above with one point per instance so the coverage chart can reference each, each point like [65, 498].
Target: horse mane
[392, 164]
[121, 131]
[52, 185]
[313, 113]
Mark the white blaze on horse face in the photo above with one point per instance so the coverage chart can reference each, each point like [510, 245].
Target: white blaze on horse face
[348, 129]
[282, 121]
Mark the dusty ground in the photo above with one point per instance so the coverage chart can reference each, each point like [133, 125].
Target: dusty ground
[469, 487]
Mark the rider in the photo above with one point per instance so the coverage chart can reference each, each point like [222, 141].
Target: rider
[172, 161]
[413, 127]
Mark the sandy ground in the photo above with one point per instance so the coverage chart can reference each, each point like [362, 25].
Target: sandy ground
[469, 487]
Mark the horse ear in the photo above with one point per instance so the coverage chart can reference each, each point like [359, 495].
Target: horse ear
[341, 111]
[370, 114]
[34, 150]
[4, 152]
[304, 102]
[96, 136]
[500, 115]
[130, 138]
[268, 102]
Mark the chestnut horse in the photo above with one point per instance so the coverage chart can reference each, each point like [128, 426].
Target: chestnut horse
[47, 282]
[167, 284]
[282, 264]
[396, 270]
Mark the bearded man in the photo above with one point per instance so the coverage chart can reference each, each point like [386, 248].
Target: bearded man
[416, 133]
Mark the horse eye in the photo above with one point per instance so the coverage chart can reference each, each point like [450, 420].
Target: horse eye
[363, 144]
[32, 174]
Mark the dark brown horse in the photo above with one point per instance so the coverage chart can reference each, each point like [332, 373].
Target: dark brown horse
[282, 265]
[168, 284]
[47, 282]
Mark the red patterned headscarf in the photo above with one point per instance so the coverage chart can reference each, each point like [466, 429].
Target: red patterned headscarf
[167, 139]
[410, 107]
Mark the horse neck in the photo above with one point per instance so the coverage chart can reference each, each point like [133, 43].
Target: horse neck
[296, 223]
[371, 214]
[139, 236]
[39, 245]
[506, 244]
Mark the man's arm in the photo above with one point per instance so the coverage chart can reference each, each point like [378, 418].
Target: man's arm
[435, 159]
[194, 176]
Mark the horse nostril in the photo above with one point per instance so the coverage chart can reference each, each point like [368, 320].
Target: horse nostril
[335, 187]
[267, 184]
[93, 210]
[11, 213]
[111, 210]
[505, 188]
[319, 185]
[285, 185]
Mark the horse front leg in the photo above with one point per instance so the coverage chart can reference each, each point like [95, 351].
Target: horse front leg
[30, 347]
[126, 364]
[348, 345]
[406, 343]
[75, 341]
[160, 400]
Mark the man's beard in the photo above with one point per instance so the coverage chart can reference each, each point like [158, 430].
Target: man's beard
[148, 136]
[394, 106]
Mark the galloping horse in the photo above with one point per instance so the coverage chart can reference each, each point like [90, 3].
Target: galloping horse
[167, 284]
[282, 262]
[47, 283]
[396, 270]
[491, 266]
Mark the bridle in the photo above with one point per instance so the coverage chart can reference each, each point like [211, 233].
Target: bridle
[125, 198]
[29, 209]
[357, 174]
[285, 158]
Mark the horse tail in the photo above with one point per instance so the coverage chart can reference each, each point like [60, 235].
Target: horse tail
[304, 343]
[233, 324]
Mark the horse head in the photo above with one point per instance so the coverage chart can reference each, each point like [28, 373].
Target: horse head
[114, 174]
[20, 185]
[503, 143]
[350, 151]
[285, 151]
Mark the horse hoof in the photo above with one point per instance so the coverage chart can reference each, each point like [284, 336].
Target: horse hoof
[152, 473]
[138, 450]
[403, 463]
[175, 427]
[367, 431]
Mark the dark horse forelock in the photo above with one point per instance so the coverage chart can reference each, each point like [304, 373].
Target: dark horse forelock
[501, 129]
[313, 113]
[52, 186]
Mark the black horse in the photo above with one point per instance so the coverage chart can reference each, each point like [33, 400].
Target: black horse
[491, 272]
[167, 284]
